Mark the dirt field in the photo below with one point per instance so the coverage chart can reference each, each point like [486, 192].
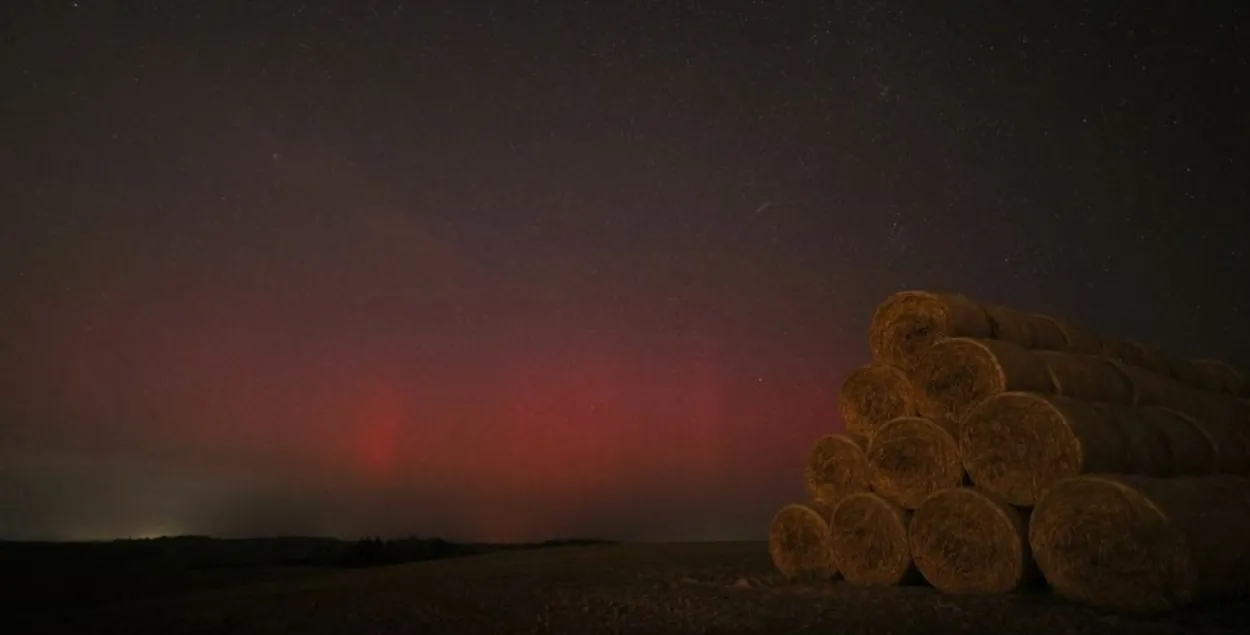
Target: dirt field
[643, 588]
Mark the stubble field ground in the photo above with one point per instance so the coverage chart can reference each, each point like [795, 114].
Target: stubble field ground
[636, 588]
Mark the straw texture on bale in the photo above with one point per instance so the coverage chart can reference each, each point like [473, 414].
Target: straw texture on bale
[1081, 341]
[908, 322]
[1141, 544]
[836, 468]
[873, 395]
[965, 540]
[800, 544]
[1086, 377]
[870, 540]
[1217, 376]
[1018, 444]
[958, 373]
[911, 457]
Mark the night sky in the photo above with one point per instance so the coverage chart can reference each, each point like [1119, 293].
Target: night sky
[518, 270]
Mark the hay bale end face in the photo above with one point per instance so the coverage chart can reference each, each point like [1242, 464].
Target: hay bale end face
[836, 468]
[908, 322]
[870, 541]
[872, 395]
[1018, 444]
[910, 458]
[959, 373]
[800, 544]
[967, 541]
[1141, 544]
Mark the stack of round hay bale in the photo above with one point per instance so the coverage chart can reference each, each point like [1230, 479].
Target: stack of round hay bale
[987, 448]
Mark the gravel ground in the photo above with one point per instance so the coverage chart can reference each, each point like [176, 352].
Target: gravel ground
[639, 588]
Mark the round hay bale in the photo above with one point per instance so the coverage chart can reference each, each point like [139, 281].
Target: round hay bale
[911, 457]
[1216, 376]
[873, 395]
[960, 372]
[1086, 377]
[870, 540]
[1217, 407]
[1153, 389]
[1046, 333]
[1142, 544]
[1231, 440]
[1184, 372]
[1156, 361]
[965, 540]
[836, 468]
[1138, 355]
[1009, 325]
[1017, 444]
[1146, 445]
[1190, 450]
[908, 322]
[1123, 351]
[1082, 341]
[800, 544]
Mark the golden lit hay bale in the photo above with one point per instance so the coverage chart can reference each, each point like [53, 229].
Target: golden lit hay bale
[1081, 341]
[965, 540]
[1017, 444]
[908, 322]
[873, 395]
[1142, 544]
[1190, 450]
[1217, 376]
[1086, 377]
[800, 544]
[1147, 447]
[870, 540]
[1008, 325]
[836, 468]
[958, 373]
[911, 457]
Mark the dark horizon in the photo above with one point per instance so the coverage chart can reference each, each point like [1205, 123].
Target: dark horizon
[503, 274]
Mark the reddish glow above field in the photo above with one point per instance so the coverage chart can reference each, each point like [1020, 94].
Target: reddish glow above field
[352, 402]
